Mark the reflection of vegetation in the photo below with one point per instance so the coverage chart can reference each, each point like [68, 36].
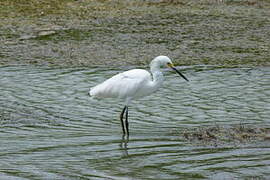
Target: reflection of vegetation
[221, 135]
[222, 32]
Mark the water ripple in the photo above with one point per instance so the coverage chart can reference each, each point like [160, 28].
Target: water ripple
[51, 129]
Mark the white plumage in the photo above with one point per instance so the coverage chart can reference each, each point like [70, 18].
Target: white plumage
[133, 84]
[129, 84]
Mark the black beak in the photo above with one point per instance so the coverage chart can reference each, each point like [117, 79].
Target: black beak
[179, 73]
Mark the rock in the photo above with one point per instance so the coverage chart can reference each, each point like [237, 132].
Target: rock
[46, 33]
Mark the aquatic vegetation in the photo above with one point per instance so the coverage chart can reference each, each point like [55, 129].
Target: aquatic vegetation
[220, 135]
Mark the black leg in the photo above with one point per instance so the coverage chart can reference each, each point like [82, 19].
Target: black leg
[121, 119]
[127, 121]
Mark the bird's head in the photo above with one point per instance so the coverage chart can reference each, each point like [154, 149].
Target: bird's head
[164, 61]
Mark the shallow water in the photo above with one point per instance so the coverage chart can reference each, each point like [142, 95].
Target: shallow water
[51, 129]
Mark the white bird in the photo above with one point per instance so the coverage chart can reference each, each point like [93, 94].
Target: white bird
[133, 84]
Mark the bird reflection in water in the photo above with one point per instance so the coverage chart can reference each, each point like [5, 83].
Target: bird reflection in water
[124, 145]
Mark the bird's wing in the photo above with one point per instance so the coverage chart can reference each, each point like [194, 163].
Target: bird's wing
[122, 85]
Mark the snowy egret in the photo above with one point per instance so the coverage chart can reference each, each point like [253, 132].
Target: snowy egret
[133, 84]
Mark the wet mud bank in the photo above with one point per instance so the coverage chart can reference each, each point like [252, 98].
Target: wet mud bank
[112, 33]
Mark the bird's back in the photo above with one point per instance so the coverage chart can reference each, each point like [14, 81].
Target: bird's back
[122, 85]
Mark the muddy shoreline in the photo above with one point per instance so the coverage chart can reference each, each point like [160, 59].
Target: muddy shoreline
[113, 33]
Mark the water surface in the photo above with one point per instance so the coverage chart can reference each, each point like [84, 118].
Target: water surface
[51, 129]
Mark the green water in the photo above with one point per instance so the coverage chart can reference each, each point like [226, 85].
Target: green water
[51, 129]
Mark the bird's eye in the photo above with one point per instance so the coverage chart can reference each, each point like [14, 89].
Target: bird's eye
[169, 64]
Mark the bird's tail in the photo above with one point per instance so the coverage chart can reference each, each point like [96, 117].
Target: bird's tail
[89, 93]
[92, 94]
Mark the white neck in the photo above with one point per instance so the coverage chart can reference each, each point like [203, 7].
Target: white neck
[157, 75]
